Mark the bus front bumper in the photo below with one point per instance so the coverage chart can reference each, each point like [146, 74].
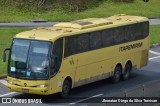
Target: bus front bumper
[28, 90]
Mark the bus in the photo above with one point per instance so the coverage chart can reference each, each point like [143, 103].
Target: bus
[70, 54]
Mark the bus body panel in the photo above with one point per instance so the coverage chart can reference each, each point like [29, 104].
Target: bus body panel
[28, 86]
[88, 66]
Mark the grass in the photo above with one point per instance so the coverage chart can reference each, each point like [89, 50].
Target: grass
[155, 34]
[6, 35]
[12, 13]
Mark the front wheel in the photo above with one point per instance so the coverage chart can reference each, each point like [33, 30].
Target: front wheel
[66, 88]
[117, 74]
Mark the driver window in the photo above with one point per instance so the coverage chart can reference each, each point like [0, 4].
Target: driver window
[56, 58]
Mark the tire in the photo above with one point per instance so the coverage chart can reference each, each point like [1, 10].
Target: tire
[127, 72]
[66, 88]
[117, 74]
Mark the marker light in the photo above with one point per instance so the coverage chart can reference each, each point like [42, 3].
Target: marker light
[42, 86]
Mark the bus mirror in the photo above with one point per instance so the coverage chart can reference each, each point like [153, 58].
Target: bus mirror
[146, 1]
[4, 54]
[4, 57]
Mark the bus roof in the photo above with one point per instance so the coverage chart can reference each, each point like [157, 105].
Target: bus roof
[80, 26]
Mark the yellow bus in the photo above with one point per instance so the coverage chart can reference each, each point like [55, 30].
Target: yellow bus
[56, 59]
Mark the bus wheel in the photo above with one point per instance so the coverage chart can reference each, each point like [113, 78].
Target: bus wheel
[127, 72]
[117, 74]
[66, 88]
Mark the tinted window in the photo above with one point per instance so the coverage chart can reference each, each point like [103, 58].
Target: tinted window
[119, 35]
[70, 45]
[83, 42]
[95, 40]
[107, 37]
[141, 30]
[136, 31]
[56, 56]
[145, 26]
[129, 33]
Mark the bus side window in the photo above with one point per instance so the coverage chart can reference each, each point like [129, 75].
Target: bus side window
[56, 58]
[119, 35]
[145, 29]
[107, 37]
[129, 33]
[83, 42]
[70, 46]
[138, 31]
[95, 40]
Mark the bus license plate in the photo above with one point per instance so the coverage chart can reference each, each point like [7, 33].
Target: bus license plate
[25, 90]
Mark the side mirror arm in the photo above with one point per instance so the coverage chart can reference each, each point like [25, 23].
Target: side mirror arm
[4, 54]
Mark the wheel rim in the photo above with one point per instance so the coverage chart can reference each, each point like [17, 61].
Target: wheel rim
[66, 89]
[117, 75]
[127, 72]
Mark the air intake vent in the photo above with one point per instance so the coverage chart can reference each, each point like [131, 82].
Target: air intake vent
[85, 23]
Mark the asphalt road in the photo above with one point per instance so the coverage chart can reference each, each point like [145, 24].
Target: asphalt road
[48, 24]
[147, 74]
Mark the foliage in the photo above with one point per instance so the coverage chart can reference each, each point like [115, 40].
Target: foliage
[128, 1]
[67, 10]
[34, 5]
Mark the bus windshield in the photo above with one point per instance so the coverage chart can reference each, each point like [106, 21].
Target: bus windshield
[29, 59]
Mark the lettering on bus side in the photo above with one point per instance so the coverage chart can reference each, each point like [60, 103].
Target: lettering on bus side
[129, 47]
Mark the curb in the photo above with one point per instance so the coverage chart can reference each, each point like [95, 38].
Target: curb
[154, 17]
[3, 76]
[155, 45]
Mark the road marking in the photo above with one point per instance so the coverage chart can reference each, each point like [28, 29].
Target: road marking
[3, 82]
[154, 57]
[11, 93]
[81, 100]
[156, 53]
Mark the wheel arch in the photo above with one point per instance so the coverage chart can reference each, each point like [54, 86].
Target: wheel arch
[69, 79]
[129, 62]
[117, 73]
[119, 65]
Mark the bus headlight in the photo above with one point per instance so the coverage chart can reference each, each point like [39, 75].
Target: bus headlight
[42, 86]
[10, 82]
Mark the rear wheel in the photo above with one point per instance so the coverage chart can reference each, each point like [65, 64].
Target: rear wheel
[66, 88]
[117, 74]
[127, 72]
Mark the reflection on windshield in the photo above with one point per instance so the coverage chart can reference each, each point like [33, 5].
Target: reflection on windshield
[19, 54]
[29, 59]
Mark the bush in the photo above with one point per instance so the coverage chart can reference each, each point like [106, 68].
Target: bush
[77, 4]
[128, 1]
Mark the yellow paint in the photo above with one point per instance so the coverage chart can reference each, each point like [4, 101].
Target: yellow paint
[86, 65]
